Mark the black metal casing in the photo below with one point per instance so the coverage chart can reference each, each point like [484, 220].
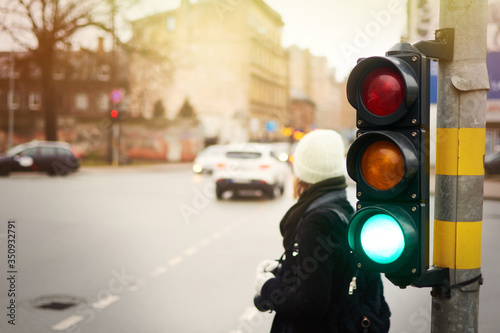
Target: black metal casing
[408, 128]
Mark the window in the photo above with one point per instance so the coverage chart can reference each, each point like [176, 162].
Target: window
[58, 73]
[47, 151]
[81, 102]
[104, 72]
[103, 102]
[34, 101]
[171, 23]
[14, 100]
[63, 152]
[243, 154]
[30, 152]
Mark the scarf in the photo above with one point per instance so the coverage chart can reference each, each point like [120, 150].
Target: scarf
[292, 217]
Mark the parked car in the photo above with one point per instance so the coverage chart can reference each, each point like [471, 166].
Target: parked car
[250, 166]
[492, 164]
[53, 157]
[206, 159]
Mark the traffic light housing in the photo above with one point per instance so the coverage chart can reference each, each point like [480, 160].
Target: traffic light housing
[389, 161]
[117, 114]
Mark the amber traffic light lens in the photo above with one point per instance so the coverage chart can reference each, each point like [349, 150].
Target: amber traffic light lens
[383, 91]
[382, 165]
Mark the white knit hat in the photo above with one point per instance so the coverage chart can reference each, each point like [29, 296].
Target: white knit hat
[319, 156]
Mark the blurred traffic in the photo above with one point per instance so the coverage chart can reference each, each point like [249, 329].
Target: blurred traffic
[250, 166]
[492, 164]
[52, 157]
[236, 168]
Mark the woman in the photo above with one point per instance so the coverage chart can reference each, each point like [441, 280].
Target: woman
[315, 286]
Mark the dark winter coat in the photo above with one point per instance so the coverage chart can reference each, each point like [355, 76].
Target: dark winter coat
[311, 290]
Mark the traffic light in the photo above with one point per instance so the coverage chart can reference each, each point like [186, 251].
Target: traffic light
[117, 114]
[114, 114]
[389, 163]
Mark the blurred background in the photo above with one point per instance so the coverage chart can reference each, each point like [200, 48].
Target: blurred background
[181, 118]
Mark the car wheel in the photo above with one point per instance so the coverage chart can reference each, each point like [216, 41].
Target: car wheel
[271, 192]
[218, 192]
[55, 173]
[282, 189]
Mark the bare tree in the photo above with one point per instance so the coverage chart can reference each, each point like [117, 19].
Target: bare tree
[42, 27]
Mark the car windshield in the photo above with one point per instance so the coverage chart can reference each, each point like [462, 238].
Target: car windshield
[14, 151]
[213, 150]
[243, 154]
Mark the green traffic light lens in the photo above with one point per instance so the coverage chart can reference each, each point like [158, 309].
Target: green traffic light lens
[382, 239]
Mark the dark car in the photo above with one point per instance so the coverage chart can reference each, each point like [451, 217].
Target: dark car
[53, 157]
[492, 164]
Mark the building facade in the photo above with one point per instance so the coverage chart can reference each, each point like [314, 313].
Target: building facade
[226, 58]
[83, 81]
[315, 96]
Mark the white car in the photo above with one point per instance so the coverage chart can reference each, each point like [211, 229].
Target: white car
[206, 159]
[250, 166]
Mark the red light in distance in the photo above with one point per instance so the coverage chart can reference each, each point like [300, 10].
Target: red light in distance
[114, 113]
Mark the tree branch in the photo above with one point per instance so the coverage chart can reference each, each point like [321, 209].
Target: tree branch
[27, 7]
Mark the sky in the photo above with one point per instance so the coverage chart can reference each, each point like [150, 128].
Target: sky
[342, 31]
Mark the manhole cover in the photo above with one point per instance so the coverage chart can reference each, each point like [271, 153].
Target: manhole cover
[56, 302]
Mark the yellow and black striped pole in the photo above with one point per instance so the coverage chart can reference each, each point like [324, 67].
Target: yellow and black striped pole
[460, 145]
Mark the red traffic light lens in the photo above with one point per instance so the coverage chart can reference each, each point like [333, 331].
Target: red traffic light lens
[382, 165]
[383, 91]
[114, 113]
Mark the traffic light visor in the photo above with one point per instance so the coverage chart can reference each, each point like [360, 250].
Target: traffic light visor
[385, 236]
[383, 91]
[382, 239]
[382, 165]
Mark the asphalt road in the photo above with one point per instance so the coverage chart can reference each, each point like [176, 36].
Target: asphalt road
[149, 249]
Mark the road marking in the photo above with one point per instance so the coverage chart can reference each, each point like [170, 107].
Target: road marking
[191, 251]
[158, 271]
[205, 242]
[104, 302]
[175, 261]
[67, 323]
[137, 285]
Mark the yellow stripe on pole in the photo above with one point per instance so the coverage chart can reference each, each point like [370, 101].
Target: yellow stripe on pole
[460, 151]
[457, 245]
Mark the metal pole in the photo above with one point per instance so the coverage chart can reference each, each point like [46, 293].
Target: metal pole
[11, 100]
[115, 129]
[460, 145]
[115, 144]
